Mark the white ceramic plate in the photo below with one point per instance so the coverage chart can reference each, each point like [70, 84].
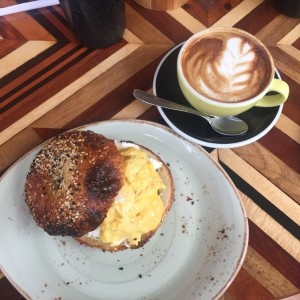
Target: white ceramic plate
[196, 253]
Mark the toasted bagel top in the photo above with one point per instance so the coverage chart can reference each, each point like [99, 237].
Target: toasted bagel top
[73, 181]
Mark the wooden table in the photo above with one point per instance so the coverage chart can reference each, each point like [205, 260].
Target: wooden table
[49, 83]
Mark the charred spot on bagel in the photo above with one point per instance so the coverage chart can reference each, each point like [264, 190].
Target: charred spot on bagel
[101, 181]
[65, 230]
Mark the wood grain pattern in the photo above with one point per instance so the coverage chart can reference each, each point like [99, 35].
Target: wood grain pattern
[21, 55]
[274, 170]
[276, 256]
[267, 275]
[270, 203]
[238, 13]
[289, 127]
[49, 83]
[191, 24]
[247, 288]
[161, 4]
[272, 228]
[290, 154]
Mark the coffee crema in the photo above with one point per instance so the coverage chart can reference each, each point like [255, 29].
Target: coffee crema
[226, 66]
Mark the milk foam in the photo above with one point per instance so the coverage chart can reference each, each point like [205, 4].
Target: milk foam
[226, 67]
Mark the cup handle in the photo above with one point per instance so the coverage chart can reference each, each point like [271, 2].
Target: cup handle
[278, 86]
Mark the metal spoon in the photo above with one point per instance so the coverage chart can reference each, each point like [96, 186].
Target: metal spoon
[222, 125]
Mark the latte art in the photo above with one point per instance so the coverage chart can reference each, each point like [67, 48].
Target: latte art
[226, 67]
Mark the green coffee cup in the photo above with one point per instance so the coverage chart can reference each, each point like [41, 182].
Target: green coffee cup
[225, 71]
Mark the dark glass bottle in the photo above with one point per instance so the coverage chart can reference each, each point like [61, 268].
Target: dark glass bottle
[290, 8]
[96, 23]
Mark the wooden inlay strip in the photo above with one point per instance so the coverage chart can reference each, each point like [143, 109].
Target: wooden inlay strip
[274, 230]
[132, 111]
[291, 54]
[267, 275]
[39, 33]
[289, 127]
[282, 146]
[55, 17]
[268, 248]
[21, 55]
[276, 29]
[245, 287]
[192, 24]
[8, 46]
[114, 76]
[131, 38]
[290, 37]
[237, 13]
[264, 165]
[66, 92]
[32, 75]
[42, 17]
[144, 30]
[26, 140]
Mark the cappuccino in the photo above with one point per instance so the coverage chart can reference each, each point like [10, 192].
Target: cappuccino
[227, 66]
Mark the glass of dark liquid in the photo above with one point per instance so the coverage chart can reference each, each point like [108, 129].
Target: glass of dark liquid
[96, 23]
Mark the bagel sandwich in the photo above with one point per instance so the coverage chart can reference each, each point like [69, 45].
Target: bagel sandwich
[108, 194]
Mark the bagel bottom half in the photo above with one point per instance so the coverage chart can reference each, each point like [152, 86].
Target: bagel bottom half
[158, 177]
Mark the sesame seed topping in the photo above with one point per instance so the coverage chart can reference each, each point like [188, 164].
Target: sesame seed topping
[57, 190]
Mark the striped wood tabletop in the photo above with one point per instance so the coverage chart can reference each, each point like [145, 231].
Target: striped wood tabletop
[49, 83]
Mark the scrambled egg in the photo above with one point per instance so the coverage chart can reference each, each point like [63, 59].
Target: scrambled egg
[138, 207]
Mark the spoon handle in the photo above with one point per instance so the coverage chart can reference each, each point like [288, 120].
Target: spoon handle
[155, 100]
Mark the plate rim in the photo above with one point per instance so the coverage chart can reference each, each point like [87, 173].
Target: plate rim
[245, 239]
[199, 141]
